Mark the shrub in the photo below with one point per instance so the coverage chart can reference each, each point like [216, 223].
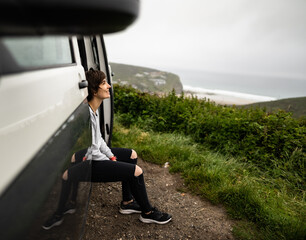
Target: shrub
[274, 142]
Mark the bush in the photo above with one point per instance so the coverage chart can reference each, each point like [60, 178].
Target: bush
[273, 142]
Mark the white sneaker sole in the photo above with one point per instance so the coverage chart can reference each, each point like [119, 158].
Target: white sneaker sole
[53, 225]
[70, 211]
[128, 211]
[147, 220]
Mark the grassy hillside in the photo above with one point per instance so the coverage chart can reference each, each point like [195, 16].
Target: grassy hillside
[250, 160]
[297, 106]
[146, 79]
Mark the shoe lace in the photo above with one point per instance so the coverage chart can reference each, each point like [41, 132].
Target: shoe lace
[156, 211]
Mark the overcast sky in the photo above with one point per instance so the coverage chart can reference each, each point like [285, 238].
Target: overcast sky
[238, 36]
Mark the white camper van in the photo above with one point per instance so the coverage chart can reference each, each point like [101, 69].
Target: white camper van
[44, 119]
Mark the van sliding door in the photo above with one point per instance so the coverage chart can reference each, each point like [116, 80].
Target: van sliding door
[93, 55]
[108, 104]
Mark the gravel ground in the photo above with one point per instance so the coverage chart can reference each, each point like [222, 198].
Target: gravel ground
[192, 217]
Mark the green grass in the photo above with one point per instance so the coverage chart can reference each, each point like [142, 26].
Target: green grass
[264, 207]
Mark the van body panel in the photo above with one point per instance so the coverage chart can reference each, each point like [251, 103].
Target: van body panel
[33, 196]
[32, 107]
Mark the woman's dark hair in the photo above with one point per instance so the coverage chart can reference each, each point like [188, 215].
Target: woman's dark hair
[94, 78]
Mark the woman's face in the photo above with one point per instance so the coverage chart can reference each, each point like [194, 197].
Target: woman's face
[103, 91]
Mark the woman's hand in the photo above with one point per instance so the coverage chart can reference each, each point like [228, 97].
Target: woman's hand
[113, 158]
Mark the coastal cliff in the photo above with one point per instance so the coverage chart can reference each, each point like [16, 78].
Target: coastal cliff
[146, 79]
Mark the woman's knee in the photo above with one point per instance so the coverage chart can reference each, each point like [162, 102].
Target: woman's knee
[73, 158]
[65, 175]
[134, 154]
[138, 171]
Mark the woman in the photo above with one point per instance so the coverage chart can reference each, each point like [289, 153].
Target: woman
[107, 165]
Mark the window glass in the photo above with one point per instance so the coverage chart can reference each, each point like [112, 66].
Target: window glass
[95, 51]
[31, 52]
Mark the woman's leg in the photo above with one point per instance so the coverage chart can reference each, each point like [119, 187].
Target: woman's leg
[136, 186]
[129, 156]
[71, 178]
[76, 158]
[109, 171]
[138, 189]
[79, 170]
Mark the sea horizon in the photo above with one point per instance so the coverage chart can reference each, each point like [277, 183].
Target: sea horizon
[253, 87]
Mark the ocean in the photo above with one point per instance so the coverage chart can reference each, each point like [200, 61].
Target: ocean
[261, 88]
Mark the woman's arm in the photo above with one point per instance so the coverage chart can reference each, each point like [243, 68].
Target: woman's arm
[105, 149]
[94, 152]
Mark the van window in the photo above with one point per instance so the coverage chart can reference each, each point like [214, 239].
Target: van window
[95, 51]
[38, 52]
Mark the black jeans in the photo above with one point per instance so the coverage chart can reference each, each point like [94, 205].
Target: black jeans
[106, 171]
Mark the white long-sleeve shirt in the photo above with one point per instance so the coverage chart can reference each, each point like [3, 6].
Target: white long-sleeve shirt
[98, 149]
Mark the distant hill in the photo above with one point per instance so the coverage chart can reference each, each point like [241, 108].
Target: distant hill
[295, 105]
[146, 79]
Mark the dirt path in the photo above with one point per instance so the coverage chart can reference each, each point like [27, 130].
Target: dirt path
[192, 218]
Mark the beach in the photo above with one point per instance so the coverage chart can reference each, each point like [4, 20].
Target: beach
[225, 97]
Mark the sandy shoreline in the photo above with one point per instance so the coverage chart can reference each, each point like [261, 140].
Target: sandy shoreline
[226, 99]
[221, 99]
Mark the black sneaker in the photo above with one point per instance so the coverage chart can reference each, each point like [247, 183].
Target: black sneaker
[155, 217]
[54, 220]
[130, 208]
[69, 208]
